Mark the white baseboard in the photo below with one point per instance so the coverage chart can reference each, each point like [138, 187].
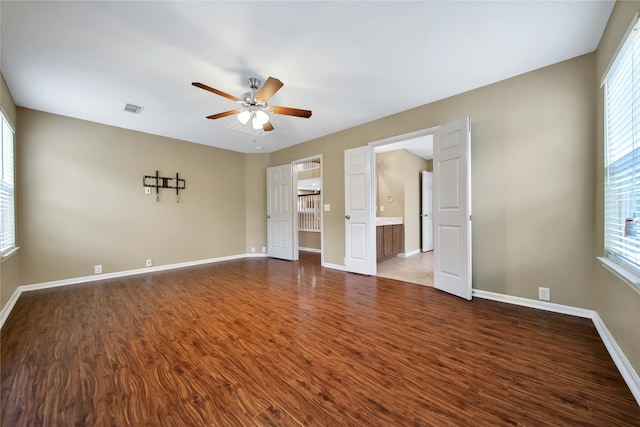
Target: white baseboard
[335, 266]
[314, 250]
[625, 368]
[540, 305]
[117, 274]
[622, 363]
[408, 254]
[256, 255]
[4, 313]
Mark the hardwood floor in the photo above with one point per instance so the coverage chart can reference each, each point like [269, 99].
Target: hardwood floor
[268, 342]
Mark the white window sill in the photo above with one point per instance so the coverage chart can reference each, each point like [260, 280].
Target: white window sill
[627, 276]
[9, 254]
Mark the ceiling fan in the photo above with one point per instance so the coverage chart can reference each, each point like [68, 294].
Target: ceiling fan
[255, 105]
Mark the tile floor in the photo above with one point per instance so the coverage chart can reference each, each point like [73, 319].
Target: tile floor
[414, 269]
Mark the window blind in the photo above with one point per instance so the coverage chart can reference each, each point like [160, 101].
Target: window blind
[7, 193]
[622, 155]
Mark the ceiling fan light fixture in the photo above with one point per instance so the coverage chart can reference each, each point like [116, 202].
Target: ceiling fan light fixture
[256, 123]
[244, 116]
[262, 117]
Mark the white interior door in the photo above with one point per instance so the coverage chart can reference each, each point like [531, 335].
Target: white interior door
[452, 208]
[360, 250]
[280, 212]
[426, 211]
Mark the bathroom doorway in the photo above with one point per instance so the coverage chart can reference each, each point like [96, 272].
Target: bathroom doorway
[399, 206]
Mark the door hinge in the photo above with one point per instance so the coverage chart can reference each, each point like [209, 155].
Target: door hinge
[469, 217]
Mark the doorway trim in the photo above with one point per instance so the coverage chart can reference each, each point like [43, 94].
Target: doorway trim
[373, 183]
[294, 195]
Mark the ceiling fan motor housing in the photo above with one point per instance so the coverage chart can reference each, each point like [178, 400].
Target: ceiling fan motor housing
[254, 83]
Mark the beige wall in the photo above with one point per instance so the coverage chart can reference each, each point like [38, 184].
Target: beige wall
[413, 166]
[429, 166]
[256, 200]
[616, 302]
[390, 176]
[309, 173]
[9, 268]
[83, 201]
[309, 239]
[532, 178]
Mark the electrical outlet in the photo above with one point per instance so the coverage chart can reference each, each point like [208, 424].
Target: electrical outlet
[264, 249]
[327, 208]
[149, 263]
[253, 249]
[381, 208]
[544, 294]
[97, 269]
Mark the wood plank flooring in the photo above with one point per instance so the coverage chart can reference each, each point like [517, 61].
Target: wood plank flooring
[264, 342]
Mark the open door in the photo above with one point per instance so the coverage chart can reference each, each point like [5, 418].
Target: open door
[280, 212]
[426, 211]
[452, 208]
[360, 250]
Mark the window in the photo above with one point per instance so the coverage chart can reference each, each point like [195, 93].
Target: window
[622, 155]
[7, 209]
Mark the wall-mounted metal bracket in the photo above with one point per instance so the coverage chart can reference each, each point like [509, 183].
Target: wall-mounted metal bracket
[159, 182]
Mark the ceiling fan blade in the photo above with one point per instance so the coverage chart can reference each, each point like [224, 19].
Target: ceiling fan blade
[291, 111]
[225, 114]
[267, 127]
[216, 91]
[269, 88]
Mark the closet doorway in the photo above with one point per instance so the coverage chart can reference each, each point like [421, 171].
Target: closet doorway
[308, 212]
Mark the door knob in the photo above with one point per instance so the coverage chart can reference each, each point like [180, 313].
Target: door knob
[268, 216]
[348, 217]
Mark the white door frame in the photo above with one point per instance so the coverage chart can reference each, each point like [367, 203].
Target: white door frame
[372, 147]
[424, 217]
[294, 169]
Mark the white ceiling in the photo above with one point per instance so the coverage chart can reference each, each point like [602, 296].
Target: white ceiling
[348, 62]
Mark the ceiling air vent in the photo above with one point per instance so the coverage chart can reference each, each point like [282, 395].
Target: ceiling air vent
[135, 109]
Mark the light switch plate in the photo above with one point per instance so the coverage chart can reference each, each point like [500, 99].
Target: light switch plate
[327, 208]
[147, 190]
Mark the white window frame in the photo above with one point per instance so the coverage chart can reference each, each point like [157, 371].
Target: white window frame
[621, 85]
[7, 189]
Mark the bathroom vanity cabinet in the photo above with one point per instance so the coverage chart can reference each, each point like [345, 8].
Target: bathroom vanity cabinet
[389, 240]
